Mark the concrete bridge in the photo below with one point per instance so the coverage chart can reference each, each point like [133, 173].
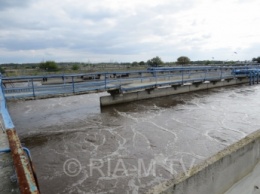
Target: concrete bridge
[31, 87]
[162, 88]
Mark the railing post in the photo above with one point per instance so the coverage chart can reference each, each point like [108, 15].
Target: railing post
[155, 79]
[205, 76]
[73, 84]
[250, 79]
[63, 79]
[105, 81]
[221, 73]
[182, 76]
[33, 88]
[2, 86]
[254, 77]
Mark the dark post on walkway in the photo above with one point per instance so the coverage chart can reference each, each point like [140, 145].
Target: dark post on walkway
[33, 88]
[73, 84]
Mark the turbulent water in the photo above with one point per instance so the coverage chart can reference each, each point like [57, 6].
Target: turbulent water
[79, 148]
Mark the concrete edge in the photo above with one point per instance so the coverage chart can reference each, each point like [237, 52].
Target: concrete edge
[47, 96]
[120, 98]
[8, 123]
[23, 166]
[208, 162]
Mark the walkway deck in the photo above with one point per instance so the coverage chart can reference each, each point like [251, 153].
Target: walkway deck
[7, 173]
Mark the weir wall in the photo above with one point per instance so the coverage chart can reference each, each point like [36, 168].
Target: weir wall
[166, 91]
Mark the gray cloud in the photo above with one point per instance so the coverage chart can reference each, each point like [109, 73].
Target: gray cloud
[6, 4]
[118, 30]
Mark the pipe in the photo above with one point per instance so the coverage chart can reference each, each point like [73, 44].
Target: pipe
[23, 168]
[7, 150]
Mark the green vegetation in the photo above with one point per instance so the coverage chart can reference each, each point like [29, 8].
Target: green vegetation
[142, 63]
[207, 62]
[49, 66]
[75, 67]
[2, 71]
[256, 59]
[52, 67]
[183, 60]
[155, 62]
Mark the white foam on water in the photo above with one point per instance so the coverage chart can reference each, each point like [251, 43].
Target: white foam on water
[73, 127]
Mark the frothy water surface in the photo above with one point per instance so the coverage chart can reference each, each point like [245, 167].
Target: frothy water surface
[129, 148]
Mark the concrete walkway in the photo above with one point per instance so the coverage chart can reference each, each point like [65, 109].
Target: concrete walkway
[8, 183]
[8, 180]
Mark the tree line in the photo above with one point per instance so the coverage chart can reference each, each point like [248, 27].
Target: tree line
[53, 66]
[256, 59]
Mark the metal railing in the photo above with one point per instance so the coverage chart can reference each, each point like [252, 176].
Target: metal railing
[26, 176]
[36, 86]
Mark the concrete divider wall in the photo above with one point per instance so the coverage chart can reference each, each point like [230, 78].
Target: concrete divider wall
[159, 92]
[218, 173]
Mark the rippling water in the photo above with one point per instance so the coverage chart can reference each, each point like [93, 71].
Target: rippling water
[129, 148]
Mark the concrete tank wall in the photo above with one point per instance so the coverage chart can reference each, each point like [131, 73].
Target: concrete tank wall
[218, 173]
[159, 92]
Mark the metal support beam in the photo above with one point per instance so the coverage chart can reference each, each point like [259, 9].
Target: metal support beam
[105, 81]
[73, 84]
[33, 88]
[24, 172]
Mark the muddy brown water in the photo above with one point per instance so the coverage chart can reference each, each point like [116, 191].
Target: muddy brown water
[77, 147]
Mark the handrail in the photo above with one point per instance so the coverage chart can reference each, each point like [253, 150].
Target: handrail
[117, 80]
[26, 176]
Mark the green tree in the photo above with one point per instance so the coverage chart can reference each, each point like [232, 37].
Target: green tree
[2, 70]
[141, 63]
[134, 64]
[183, 60]
[75, 67]
[155, 62]
[49, 66]
[207, 62]
[256, 59]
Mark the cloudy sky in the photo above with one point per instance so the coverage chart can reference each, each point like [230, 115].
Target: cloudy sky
[127, 31]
